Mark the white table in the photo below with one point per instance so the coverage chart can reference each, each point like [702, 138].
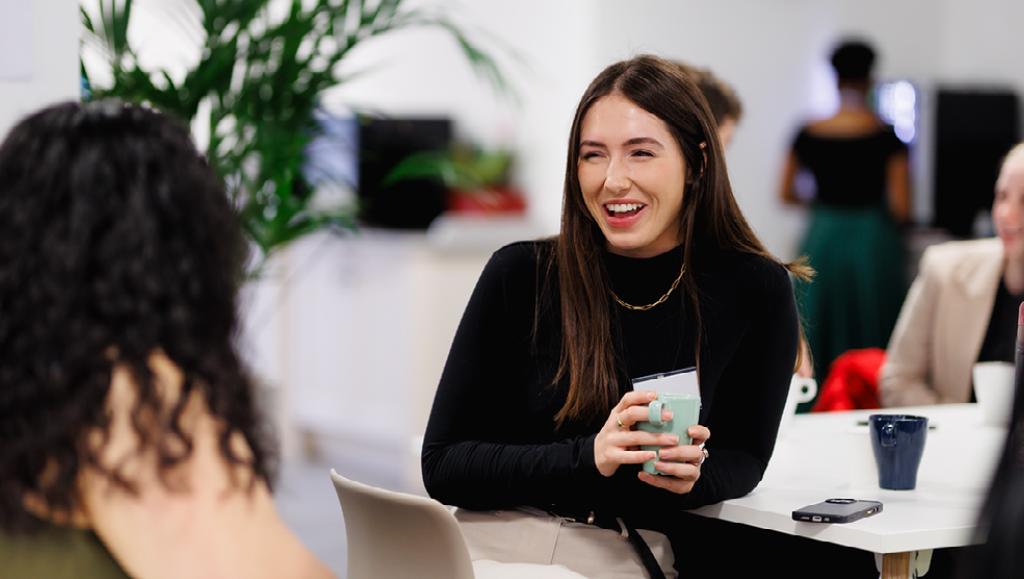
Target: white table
[812, 461]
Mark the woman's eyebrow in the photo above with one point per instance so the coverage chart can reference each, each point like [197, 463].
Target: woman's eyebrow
[643, 141]
[633, 141]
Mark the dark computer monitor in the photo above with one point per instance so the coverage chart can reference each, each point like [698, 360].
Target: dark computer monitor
[383, 142]
[974, 129]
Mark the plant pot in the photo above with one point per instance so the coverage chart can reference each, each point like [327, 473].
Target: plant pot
[494, 200]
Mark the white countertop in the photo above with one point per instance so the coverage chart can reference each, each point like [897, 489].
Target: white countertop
[812, 463]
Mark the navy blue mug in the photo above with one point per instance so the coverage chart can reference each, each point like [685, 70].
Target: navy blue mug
[898, 442]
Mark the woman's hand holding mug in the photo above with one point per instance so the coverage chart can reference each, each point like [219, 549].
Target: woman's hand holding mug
[618, 443]
[685, 472]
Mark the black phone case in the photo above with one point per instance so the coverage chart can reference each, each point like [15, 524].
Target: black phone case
[837, 511]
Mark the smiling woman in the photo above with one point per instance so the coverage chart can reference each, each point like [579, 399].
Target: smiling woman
[632, 175]
[962, 307]
[655, 270]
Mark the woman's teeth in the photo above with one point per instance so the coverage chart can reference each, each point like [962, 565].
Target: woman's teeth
[620, 208]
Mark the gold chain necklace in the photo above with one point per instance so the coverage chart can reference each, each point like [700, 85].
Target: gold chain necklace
[661, 300]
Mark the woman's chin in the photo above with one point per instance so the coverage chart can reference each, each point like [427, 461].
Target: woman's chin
[1013, 247]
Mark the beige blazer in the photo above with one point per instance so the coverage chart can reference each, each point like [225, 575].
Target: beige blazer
[942, 324]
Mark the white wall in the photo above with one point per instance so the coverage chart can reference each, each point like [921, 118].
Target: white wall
[773, 51]
[768, 52]
[50, 27]
[543, 46]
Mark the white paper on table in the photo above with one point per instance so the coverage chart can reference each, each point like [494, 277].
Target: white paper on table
[682, 381]
[15, 40]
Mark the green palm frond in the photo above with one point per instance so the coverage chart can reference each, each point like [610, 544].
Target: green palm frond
[261, 79]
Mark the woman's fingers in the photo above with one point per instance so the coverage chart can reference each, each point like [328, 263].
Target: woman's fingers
[625, 439]
[627, 417]
[617, 443]
[681, 463]
[634, 456]
[688, 453]
[681, 475]
[700, 434]
[682, 470]
[670, 483]
[612, 449]
[634, 397]
[626, 413]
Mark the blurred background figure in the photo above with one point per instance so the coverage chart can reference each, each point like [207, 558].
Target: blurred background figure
[130, 442]
[854, 242]
[962, 307]
[725, 105]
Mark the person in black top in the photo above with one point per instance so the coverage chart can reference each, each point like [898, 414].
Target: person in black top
[655, 269]
[861, 172]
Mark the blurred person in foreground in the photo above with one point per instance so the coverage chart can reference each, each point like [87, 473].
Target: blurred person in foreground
[962, 307]
[854, 241]
[129, 439]
[1000, 529]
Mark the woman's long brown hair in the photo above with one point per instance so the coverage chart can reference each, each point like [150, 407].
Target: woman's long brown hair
[710, 217]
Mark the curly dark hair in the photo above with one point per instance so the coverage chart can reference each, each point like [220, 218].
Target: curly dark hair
[117, 241]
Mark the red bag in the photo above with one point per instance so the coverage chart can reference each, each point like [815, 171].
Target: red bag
[852, 381]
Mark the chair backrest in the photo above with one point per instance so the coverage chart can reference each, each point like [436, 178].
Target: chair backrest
[392, 535]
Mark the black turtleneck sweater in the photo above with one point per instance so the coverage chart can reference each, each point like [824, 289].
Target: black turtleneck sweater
[491, 442]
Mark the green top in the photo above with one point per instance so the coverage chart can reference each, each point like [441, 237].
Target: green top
[57, 553]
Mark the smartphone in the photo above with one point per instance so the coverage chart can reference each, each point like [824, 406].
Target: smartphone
[837, 511]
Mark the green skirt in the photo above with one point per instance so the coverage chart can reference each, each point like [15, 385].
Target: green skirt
[861, 281]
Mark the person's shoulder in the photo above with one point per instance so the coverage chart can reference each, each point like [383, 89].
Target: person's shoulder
[520, 253]
[962, 258]
[765, 268]
[756, 271]
[519, 261]
[961, 250]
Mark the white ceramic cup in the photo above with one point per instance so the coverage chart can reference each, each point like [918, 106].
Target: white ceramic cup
[800, 390]
[860, 457]
[993, 386]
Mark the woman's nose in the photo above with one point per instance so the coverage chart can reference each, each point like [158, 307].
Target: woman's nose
[618, 178]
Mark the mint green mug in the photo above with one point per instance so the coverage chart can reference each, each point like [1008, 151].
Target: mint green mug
[685, 410]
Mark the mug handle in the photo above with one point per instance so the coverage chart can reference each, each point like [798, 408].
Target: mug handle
[654, 413]
[889, 435]
[807, 389]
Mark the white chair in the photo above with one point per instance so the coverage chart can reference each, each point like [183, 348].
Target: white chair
[395, 535]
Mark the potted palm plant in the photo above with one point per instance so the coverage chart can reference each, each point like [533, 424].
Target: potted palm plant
[256, 87]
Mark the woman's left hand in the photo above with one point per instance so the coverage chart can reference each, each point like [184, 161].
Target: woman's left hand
[684, 473]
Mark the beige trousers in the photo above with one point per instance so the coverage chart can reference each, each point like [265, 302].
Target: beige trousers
[530, 535]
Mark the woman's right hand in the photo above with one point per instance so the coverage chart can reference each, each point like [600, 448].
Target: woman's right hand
[617, 443]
